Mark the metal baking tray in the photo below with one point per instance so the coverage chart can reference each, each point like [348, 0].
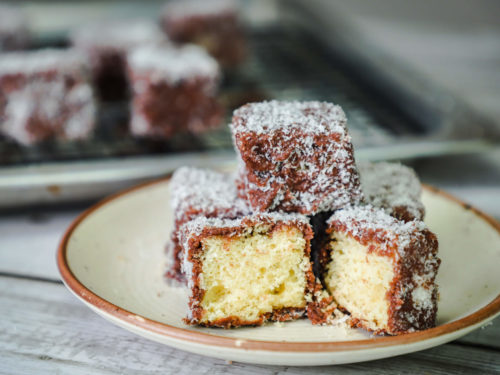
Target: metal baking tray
[288, 60]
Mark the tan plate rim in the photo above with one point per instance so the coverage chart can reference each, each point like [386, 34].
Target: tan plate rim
[183, 334]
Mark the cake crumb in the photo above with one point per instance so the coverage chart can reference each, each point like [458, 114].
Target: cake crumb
[137, 317]
[239, 343]
[486, 325]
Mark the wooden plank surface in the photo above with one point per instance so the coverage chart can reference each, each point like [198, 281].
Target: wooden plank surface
[45, 330]
[29, 241]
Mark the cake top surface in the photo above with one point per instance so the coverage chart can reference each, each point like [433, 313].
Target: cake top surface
[389, 185]
[118, 35]
[367, 222]
[11, 19]
[198, 225]
[40, 61]
[194, 8]
[308, 117]
[173, 63]
[204, 191]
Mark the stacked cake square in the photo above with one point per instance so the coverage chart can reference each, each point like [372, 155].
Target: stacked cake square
[301, 230]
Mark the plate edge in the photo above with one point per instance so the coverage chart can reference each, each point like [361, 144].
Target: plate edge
[70, 280]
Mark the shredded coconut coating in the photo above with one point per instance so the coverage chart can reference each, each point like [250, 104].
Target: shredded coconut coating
[364, 222]
[121, 36]
[310, 117]
[295, 157]
[198, 225]
[174, 90]
[40, 61]
[393, 187]
[205, 191]
[173, 64]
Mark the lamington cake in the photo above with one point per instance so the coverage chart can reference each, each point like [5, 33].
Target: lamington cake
[14, 32]
[381, 270]
[200, 193]
[247, 271]
[393, 187]
[295, 157]
[212, 24]
[173, 90]
[106, 46]
[45, 94]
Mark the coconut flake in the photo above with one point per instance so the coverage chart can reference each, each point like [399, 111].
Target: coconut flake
[311, 117]
[117, 35]
[173, 64]
[367, 220]
[205, 191]
[197, 226]
[64, 61]
[391, 185]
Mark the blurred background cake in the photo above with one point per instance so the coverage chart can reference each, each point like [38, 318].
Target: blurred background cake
[45, 94]
[213, 24]
[173, 90]
[106, 45]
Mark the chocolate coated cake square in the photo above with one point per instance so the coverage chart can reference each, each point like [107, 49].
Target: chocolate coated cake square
[393, 187]
[295, 157]
[247, 271]
[45, 94]
[381, 270]
[211, 24]
[173, 90]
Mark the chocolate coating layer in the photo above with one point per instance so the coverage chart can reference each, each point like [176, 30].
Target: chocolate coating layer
[295, 157]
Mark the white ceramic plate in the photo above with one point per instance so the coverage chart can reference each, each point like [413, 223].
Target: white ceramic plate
[112, 258]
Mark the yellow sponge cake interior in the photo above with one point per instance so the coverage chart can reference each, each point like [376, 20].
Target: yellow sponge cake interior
[254, 273]
[359, 280]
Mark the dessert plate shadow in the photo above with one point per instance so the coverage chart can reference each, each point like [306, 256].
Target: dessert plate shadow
[112, 258]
